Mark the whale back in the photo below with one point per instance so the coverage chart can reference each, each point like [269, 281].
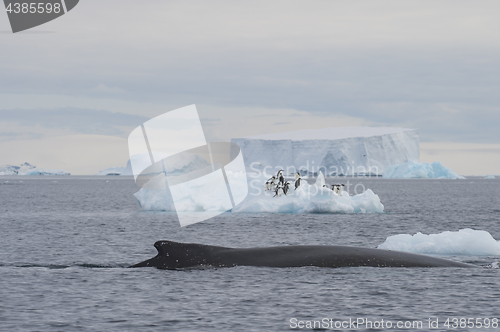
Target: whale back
[175, 255]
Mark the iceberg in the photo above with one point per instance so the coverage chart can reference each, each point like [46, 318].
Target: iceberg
[490, 177]
[465, 242]
[416, 170]
[127, 170]
[156, 196]
[8, 170]
[28, 169]
[43, 171]
[306, 199]
[15, 169]
[182, 164]
[333, 151]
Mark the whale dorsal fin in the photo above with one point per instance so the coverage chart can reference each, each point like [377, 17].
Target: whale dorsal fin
[179, 255]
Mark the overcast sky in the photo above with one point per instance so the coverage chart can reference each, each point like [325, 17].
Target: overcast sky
[252, 67]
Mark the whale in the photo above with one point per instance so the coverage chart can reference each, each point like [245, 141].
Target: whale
[174, 255]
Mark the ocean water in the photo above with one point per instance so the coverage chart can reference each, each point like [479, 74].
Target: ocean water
[66, 243]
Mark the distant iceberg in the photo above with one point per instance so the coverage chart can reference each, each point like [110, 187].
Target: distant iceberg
[180, 165]
[491, 177]
[127, 170]
[416, 170]
[15, 169]
[333, 151]
[306, 199]
[43, 171]
[28, 169]
[465, 242]
[7, 170]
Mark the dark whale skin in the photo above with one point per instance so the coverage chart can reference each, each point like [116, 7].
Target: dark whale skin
[174, 255]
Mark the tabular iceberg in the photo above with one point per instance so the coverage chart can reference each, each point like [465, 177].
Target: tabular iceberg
[416, 170]
[334, 151]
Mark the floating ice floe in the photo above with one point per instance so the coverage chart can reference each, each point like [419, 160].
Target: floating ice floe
[306, 199]
[416, 170]
[491, 177]
[465, 242]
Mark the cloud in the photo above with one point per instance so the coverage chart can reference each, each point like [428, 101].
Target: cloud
[73, 120]
[106, 90]
[10, 136]
[464, 158]
[429, 65]
[387, 63]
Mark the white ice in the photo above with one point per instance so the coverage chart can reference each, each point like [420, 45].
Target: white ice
[465, 242]
[416, 170]
[202, 195]
[44, 171]
[182, 164]
[28, 169]
[117, 170]
[306, 199]
[334, 151]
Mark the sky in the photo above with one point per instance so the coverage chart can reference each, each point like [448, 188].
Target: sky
[72, 90]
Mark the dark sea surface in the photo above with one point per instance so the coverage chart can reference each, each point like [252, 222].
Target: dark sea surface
[66, 243]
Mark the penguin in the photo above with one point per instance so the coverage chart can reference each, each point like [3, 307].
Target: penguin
[286, 187]
[281, 179]
[270, 183]
[279, 188]
[341, 189]
[337, 188]
[297, 180]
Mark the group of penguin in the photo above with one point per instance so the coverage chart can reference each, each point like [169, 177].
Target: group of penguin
[337, 188]
[279, 186]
